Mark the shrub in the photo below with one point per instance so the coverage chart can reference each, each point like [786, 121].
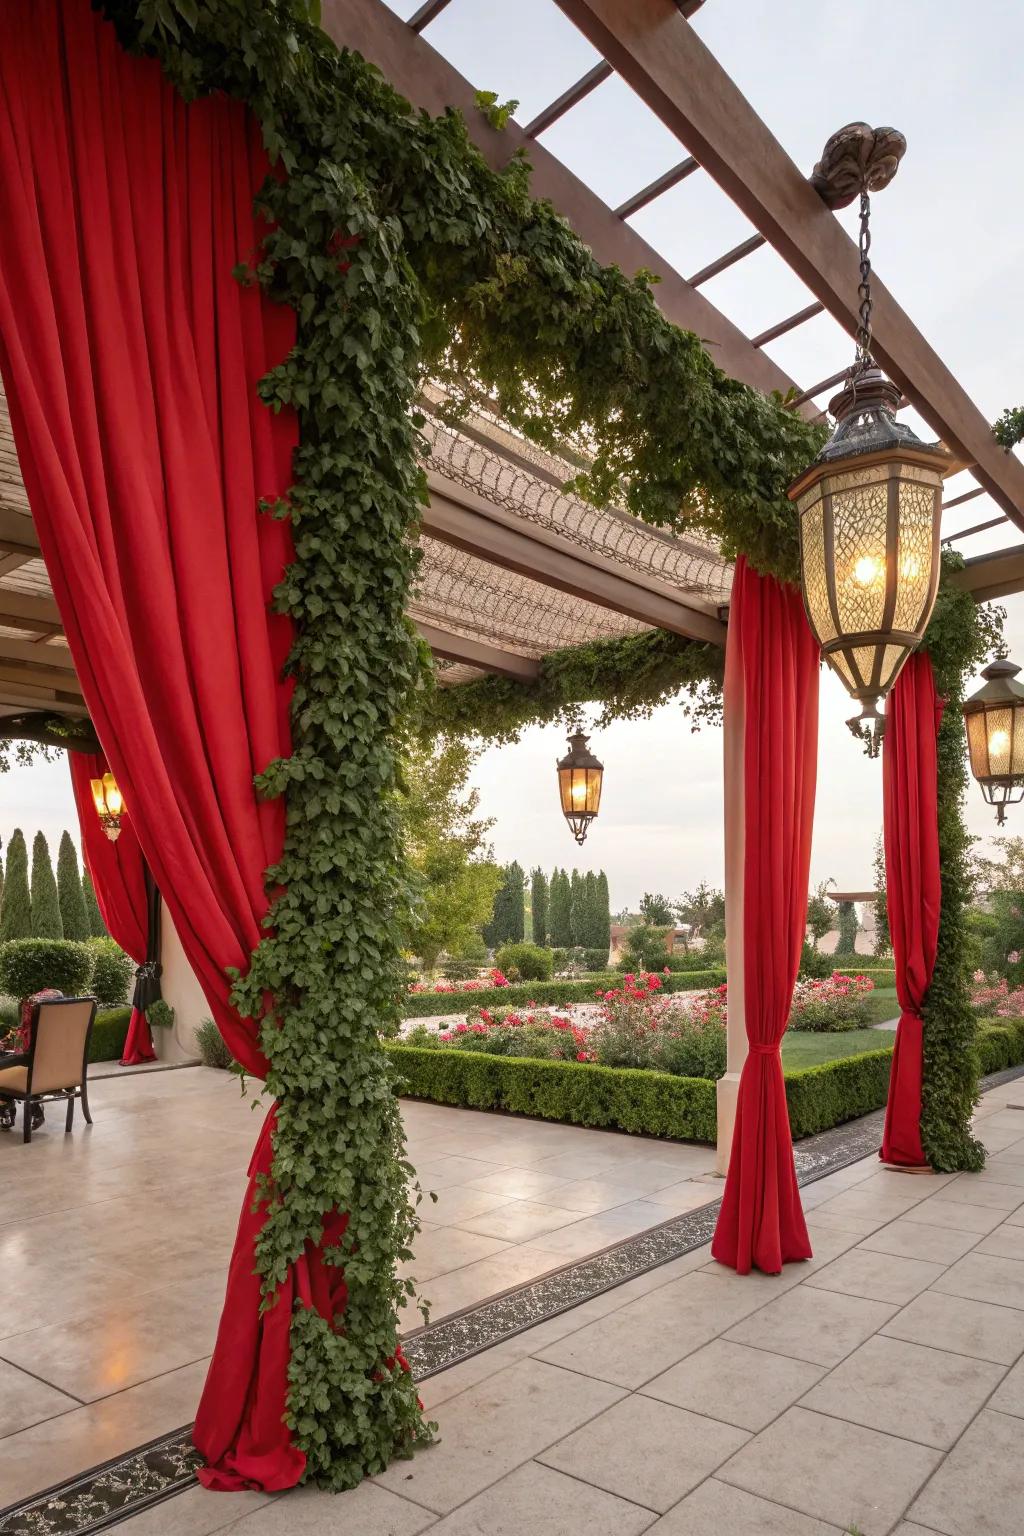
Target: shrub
[111, 972]
[531, 961]
[210, 1042]
[839, 1003]
[425, 1005]
[10, 1013]
[109, 1032]
[31, 965]
[16, 911]
[160, 1014]
[646, 949]
[827, 1095]
[595, 959]
[813, 964]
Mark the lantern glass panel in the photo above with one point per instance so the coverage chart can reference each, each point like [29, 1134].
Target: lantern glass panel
[837, 660]
[98, 799]
[977, 742]
[580, 790]
[860, 502]
[917, 488]
[864, 660]
[112, 795]
[894, 657]
[999, 740]
[815, 580]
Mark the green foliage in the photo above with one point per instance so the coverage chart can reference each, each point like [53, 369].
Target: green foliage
[160, 1015]
[1008, 430]
[646, 948]
[560, 911]
[97, 927]
[602, 938]
[836, 1091]
[702, 910]
[210, 1045]
[631, 676]
[883, 938]
[813, 964]
[46, 919]
[531, 961]
[496, 112]
[1000, 1044]
[821, 913]
[960, 636]
[446, 845]
[849, 927]
[73, 916]
[539, 906]
[596, 959]
[16, 914]
[424, 1005]
[508, 920]
[112, 972]
[32, 965]
[109, 1032]
[656, 910]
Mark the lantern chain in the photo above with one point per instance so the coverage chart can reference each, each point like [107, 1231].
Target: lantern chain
[864, 358]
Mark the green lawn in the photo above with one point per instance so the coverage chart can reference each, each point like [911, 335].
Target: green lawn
[884, 1005]
[802, 1048]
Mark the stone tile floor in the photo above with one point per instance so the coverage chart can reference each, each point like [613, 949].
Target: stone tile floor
[878, 1389]
[114, 1244]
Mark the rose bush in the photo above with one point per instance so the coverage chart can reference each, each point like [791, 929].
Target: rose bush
[494, 978]
[993, 997]
[837, 1002]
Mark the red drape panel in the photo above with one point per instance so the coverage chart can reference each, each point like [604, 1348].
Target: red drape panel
[913, 889]
[118, 879]
[772, 676]
[130, 357]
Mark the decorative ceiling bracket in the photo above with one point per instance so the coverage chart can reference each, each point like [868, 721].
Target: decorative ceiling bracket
[51, 730]
[857, 159]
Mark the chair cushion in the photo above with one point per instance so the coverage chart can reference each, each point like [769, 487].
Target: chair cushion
[14, 1080]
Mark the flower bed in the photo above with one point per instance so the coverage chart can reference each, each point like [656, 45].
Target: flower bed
[993, 997]
[838, 1002]
[557, 994]
[490, 983]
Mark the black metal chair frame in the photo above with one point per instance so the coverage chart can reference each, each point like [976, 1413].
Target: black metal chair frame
[68, 1095]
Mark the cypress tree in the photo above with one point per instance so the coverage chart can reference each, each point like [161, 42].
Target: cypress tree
[46, 919]
[1, 877]
[97, 927]
[603, 936]
[508, 920]
[16, 915]
[559, 921]
[577, 914]
[590, 907]
[539, 904]
[69, 891]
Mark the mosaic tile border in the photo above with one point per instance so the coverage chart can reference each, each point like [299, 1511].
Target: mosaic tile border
[104, 1496]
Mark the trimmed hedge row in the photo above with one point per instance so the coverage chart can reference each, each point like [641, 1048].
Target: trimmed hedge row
[108, 1034]
[835, 1091]
[1000, 1044]
[425, 1005]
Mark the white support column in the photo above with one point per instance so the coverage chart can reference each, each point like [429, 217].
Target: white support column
[736, 1038]
[183, 993]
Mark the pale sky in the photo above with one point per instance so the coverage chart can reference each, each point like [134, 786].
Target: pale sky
[948, 240]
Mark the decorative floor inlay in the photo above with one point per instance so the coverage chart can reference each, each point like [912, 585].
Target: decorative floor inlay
[104, 1496]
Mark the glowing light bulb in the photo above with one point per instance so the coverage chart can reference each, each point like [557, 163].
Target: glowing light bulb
[910, 567]
[579, 792]
[868, 571]
[999, 743]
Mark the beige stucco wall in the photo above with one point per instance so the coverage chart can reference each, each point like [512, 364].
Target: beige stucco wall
[184, 994]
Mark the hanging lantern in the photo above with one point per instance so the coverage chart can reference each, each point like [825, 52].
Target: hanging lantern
[579, 786]
[109, 803]
[869, 506]
[995, 736]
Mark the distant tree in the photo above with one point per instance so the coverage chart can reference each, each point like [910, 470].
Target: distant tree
[646, 948]
[883, 938]
[604, 933]
[577, 913]
[656, 910]
[559, 912]
[46, 920]
[16, 913]
[1, 878]
[539, 906]
[508, 920]
[849, 927]
[821, 913]
[701, 910]
[69, 891]
[97, 927]
[446, 843]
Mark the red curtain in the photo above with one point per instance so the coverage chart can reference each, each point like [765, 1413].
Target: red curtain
[913, 889]
[771, 676]
[130, 357]
[118, 875]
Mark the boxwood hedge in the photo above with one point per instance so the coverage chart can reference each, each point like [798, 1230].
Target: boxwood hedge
[425, 1005]
[108, 1034]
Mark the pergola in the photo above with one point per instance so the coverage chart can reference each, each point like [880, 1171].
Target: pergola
[515, 566]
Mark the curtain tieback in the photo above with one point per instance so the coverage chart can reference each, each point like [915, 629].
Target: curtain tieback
[759, 1049]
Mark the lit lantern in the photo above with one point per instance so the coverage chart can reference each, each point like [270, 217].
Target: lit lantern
[995, 736]
[579, 786]
[870, 507]
[109, 803]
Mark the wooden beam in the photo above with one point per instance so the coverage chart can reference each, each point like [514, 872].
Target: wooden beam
[990, 576]
[654, 50]
[476, 653]
[54, 657]
[568, 99]
[28, 675]
[23, 610]
[17, 534]
[481, 529]
[423, 75]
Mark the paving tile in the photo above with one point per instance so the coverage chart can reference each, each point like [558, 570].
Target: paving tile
[972, 1190]
[985, 1277]
[638, 1342]
[458, 1203]
[196, 1512]
[879, 1276]
[493, 1428]
[912, 1239]
[487, 1277]
[980, 1486]
[1007, 1241]
[538, 1501]
[742, 1386]
[685, 1196]
[24, 1400]
[940, 1212]
[519, 1221]
[445, 1248]
[719, 1509]
[442, 1172]
[519, 1183]
[364, 1511]
[837, 1472]
[1001, 1173]
[649, 1452]
[905, 1389]
[812, 1324]
[581, 1238]
[962, 1326]
[871, 1204]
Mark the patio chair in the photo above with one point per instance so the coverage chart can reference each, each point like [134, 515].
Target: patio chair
[57, 1063]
